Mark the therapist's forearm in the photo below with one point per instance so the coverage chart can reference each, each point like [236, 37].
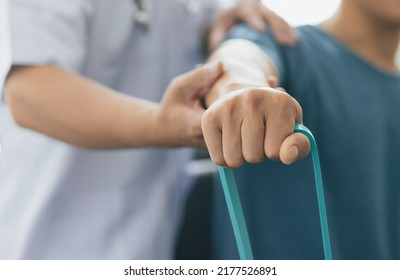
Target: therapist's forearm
[78, 111]
[245, 65]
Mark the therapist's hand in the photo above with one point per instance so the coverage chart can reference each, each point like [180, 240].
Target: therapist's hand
[251, 123]
[180, 113]
[80, 112]
[254, 13]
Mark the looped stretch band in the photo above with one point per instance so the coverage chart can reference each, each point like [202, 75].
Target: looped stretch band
[236, 212]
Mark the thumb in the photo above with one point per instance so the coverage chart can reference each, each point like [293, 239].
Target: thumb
[202, 78]
[294, 147]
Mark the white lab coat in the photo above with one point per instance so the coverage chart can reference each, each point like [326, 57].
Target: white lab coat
[5, 49]
[62, 202]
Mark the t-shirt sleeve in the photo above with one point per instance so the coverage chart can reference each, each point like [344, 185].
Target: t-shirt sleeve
[49, 32]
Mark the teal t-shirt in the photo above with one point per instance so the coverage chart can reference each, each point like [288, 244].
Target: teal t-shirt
[353, 110]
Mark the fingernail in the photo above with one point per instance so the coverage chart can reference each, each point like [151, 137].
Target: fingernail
[197, 66]
[293, 153]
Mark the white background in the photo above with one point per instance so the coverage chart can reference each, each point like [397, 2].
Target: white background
[298, 12]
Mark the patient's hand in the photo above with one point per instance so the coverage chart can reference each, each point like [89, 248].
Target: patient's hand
[253, 122]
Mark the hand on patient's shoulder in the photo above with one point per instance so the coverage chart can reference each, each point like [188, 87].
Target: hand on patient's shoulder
[251, 123]
[256, 15]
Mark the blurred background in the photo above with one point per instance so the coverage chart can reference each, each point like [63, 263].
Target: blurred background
[301, 12]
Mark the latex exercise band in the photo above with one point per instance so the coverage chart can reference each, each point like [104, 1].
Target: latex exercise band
[236, 212]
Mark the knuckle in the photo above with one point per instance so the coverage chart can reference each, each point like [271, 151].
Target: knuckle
[218, 160]
[297, 109]
[285, 103]
[234, 162]
[205, 119]
[210, 117]
[272, 153]
[253, 99]
[229, 107]
[284, 98]
[254, 158]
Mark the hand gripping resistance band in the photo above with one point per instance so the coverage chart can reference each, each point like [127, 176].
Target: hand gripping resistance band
[236, 212]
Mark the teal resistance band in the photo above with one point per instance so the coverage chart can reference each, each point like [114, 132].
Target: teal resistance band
[236, 212]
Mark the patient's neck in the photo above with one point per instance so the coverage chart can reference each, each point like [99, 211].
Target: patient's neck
[376, 41]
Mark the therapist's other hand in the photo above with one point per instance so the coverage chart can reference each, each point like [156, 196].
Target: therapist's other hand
[180, 114]
[249, 124]
[257, 16]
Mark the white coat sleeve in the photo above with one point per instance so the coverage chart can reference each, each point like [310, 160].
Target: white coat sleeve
[50, 32]
[5, 48]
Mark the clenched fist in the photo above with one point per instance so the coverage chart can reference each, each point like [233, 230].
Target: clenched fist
[252, 123]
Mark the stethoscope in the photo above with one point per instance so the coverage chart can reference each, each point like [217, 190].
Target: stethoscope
[144, 10]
